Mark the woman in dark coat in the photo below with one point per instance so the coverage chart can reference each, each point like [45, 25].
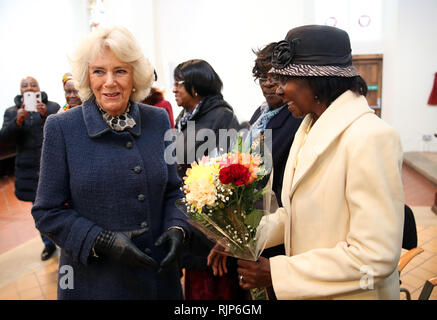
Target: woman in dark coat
[273, 115]
[106, 196]
[197, 89]
[25, 128]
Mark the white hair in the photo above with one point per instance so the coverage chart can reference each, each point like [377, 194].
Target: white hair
[125, 47]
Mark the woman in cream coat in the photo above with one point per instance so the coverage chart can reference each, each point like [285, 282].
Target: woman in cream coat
[342, 195]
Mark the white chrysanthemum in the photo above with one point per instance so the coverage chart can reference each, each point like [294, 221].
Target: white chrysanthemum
[202, 192]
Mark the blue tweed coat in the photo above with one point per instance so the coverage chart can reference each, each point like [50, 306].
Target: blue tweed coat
[94, 178]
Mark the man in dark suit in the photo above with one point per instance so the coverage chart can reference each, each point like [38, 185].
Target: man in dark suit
[26, 129]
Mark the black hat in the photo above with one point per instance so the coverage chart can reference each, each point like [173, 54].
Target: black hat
[314, 50]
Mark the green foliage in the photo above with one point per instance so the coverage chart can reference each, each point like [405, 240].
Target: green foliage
[253, 218]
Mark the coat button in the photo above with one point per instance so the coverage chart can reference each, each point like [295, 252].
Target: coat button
[129, 144]
[141, 197]
[137, 169]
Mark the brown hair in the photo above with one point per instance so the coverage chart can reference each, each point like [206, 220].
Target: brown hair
[154, 97]
[263, 61]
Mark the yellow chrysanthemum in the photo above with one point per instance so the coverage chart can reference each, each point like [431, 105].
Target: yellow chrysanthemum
[199, 184]
[201, 171]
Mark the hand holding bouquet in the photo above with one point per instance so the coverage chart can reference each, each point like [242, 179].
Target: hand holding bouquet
[223, 199]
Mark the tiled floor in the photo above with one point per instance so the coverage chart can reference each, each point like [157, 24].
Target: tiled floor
[418, 191]
[16, 222]
[38, 284]
[24, 276]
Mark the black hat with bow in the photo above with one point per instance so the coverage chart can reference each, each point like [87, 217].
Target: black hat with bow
[314, 50]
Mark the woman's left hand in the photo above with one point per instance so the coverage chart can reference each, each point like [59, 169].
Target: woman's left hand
[217, 260]
[174, 238]
[254, 274]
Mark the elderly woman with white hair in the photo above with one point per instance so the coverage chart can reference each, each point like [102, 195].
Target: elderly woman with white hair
[106, 196]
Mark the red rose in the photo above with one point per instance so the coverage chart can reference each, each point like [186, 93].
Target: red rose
[235, 173]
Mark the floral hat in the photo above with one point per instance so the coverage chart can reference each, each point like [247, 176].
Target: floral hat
[66, 77]
[314, 51]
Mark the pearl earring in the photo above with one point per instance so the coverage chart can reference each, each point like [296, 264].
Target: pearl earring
[133, 89]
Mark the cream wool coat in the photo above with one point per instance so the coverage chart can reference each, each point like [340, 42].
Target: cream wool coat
[343, 208]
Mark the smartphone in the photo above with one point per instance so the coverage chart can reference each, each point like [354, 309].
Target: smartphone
[31, 99]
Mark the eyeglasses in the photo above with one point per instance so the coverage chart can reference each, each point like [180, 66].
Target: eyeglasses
[272, 78]
[178, 83]
[261, 80]
[281, 79]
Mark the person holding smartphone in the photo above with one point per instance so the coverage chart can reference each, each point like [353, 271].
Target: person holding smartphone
[25, 128]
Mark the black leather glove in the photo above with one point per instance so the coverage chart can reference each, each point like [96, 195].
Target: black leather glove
[118, 246]
[175, 238]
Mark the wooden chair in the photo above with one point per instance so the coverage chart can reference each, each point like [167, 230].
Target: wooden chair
[403, 261]
[409, 242]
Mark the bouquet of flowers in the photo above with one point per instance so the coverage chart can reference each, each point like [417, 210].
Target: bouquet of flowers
[223, 199]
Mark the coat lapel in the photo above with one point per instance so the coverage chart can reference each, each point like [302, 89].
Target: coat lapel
[288, 179]
[96, 125]
[331, 124]
[135, 114]
[289, 167]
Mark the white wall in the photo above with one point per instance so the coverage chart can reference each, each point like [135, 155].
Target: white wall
[36, 38]
[223, 33]
[137, 16]
[413, 60]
